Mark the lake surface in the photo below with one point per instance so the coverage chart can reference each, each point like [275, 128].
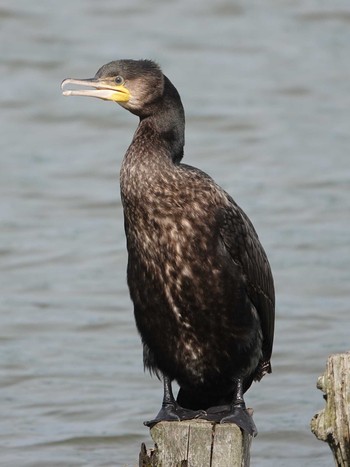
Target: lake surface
[266, 89]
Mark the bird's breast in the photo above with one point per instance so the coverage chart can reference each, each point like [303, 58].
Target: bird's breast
[185, 287]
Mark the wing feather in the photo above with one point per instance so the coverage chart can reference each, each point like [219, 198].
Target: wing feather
[243, 245]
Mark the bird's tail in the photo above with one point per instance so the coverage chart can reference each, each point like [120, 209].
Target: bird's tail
[199, 401]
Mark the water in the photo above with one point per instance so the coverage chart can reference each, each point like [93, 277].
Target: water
[266, 91]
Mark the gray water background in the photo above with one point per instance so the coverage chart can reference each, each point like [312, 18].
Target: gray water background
[266, 88]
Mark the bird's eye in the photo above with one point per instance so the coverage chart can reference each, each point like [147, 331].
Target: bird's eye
[119, 80]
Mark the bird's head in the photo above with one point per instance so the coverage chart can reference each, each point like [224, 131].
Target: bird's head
[134, 84]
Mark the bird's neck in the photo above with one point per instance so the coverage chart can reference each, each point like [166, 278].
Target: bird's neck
[165, 126]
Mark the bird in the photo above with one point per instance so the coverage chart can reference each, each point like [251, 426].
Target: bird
[199, 279]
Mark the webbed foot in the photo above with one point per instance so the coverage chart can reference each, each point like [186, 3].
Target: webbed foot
[237, 414]
[241, 417]
[174, 412]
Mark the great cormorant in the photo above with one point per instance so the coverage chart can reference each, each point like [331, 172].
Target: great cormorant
[198, 276]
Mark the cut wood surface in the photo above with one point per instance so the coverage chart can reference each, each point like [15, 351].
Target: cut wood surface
[197, 443]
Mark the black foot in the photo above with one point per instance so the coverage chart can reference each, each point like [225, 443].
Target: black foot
[173, 412]
[242, 418]
[232, 414]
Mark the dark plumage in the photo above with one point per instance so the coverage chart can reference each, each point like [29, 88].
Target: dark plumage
[198, 276]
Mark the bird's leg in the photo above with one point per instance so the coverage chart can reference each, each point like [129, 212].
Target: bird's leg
[236, 412]
[171, 410]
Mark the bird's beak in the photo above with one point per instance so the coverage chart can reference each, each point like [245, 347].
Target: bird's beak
[104, 89]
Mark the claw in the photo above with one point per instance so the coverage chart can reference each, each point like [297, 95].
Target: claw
[174, 412]
[242, 418]
[232, 414]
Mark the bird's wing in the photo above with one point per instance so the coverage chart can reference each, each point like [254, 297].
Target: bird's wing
[242, 244]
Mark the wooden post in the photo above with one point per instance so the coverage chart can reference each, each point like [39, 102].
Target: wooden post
[332, 424]
[197, 443]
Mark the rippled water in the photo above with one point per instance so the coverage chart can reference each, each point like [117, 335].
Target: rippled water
[266, 90]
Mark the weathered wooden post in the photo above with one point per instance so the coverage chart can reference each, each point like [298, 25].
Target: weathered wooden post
[332, 424]
[197, 443]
